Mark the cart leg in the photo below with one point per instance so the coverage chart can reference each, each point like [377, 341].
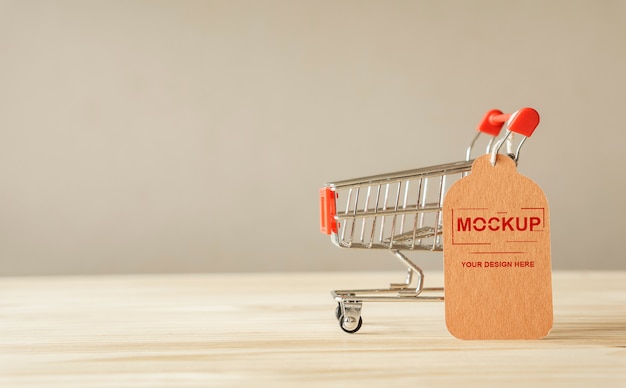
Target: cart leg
[406, 284]
[412, 269]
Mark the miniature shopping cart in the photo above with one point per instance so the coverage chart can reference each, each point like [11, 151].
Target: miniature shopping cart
[401, 211]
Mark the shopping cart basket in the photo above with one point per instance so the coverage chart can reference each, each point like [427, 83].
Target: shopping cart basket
[401, 211]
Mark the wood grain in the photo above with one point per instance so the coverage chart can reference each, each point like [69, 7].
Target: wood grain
[280, 330]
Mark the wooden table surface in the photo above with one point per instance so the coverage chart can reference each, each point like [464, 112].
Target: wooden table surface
[279, 330]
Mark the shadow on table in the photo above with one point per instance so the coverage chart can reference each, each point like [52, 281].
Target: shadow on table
[608, 331]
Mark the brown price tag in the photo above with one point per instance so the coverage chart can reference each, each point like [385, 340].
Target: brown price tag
[498, 279]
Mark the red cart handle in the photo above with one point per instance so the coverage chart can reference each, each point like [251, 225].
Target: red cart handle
[524, 122]
[492, 122]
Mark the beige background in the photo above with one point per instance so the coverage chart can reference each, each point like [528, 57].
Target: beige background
[178, 136]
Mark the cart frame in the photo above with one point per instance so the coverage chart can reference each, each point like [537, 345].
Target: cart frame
[400, 211]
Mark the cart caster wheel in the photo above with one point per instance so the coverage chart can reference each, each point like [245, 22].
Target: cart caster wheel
[338, 311]
[349, 324]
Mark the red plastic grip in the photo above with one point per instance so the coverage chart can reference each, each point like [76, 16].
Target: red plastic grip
[499, 118]
[328, 210]
[524, 121]
[488, 125]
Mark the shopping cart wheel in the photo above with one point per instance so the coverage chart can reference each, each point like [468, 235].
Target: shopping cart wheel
[350, 324]
[338, 311]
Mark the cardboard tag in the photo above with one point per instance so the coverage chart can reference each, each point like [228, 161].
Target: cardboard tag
[497, 270]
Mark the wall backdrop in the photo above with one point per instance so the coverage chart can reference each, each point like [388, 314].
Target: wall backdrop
[188, 136]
